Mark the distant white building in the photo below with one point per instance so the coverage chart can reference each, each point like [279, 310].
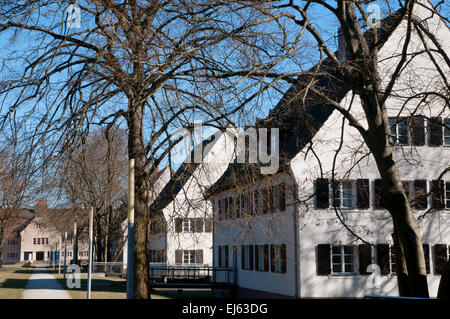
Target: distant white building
[37, 233]
[181, 226]
[281, 231]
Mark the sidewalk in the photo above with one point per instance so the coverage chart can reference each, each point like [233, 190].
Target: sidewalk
[43, 285]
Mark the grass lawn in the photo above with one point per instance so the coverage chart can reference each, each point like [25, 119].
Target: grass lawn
[115, 288]
[13, 280]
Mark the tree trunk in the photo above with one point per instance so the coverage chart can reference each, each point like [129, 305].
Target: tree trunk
[141, 282]
[401, 269]
[444, 284]
[395, 201]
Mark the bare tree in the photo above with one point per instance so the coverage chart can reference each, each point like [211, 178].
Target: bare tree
[94, 174]
[357, 68]
[155, 65]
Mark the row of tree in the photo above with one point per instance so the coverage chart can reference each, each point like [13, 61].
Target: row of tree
[150, 67]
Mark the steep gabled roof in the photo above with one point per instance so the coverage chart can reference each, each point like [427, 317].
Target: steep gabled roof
[181, 176]
[300, 114]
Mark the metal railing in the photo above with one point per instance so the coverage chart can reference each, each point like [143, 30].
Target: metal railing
[108, 268]
[205, 274]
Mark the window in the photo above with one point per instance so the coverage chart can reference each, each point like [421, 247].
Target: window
[223, 256]
[46, 241]
[248, 260]
[281, 198]
[392, 257]
[188, 256]
[219, 209]
[343, 259]
[38, 241]
[447, 195]
[344, 195]
[399, 130]
[69, 254]
[188, 225]
[256, 203]
[447, 132]
[157, 256]
[261, 260]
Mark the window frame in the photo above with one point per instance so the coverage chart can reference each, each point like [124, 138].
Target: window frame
[191, 225]
[342, 262]
[447, 195]
[190, 254]
[394, 123]
[446, 132]
[340, 192]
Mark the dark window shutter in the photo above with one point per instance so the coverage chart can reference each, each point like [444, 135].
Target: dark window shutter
[198, 225]
[383, 258]
[323, 259]
[363, 194]
[420, 189]
[417, 130]
[178, 256]
[365, 258]
[251, 257]
[272, 258]
[227, 208]
[257, 265]
[199, 256]
[322, 193]
[255, 203]
[426, 252]
[208, 225]
[266, 257]
[178, 225]
[219, 209]
[283, 258]
[282, 197]
[440, 258]
[378, 185]
[238, 206]
[219, 250]
[437, 197]
[435, 129]
[242, 256]
[226, 256]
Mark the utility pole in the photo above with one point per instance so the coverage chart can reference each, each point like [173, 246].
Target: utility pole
[65, 253]
[75, 244]
[60, 255]
[130, 258]
[91, 237]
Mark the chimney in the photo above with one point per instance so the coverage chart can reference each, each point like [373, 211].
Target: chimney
[40, 206]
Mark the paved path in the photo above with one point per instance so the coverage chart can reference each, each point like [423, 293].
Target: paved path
[43, 285]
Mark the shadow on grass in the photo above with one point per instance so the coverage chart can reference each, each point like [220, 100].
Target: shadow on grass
[98, 285]
[183, 294]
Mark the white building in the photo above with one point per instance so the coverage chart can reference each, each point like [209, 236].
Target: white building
[181, 219]
[294, 243]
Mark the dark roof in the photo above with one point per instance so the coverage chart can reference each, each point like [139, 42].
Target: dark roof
[180, 177]
[298, 117]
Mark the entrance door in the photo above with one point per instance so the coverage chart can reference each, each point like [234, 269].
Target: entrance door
[28, 256]
[40, 255]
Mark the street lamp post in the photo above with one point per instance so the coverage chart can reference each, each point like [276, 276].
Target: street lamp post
[91, 235]
[65, 253]
[130, 257]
